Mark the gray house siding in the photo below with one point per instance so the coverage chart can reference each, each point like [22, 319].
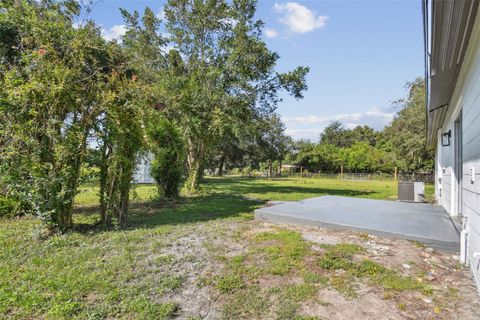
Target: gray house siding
[465, 102]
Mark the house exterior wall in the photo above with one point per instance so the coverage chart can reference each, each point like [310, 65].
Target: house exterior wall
[465, 103]
[142, 170]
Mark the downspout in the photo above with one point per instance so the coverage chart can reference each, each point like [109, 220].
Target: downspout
[426, 56]
[463, 242]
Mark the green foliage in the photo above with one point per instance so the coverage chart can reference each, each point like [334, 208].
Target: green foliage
[312, 277]
[229, 283]
[99, 272]
[245, 304]
[49, 101]
[299, 292]
[401, 144]
[168, 149]
[284, 250]
[121, 137]
[146, 309]
[170, 283]
[221, 76]
[340, 256]
[9, 207]
[272, 144]
[405, 136]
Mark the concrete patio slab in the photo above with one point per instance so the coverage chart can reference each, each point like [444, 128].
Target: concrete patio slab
[426, 223]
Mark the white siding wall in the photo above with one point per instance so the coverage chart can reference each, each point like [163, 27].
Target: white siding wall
[466, 99]
[142, 170]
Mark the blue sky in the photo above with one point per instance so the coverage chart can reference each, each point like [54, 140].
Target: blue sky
[361, 54]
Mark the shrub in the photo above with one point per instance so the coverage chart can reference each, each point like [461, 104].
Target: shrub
[9, 207]
[236, 171]
[168, 149]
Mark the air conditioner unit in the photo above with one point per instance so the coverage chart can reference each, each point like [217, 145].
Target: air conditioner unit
[411, 191]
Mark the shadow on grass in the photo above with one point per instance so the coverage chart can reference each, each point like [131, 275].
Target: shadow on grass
[254, 186]
[225, 199]
[195, 209]
[150, 214]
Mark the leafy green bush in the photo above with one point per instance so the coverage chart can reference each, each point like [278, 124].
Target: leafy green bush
[168, 149]
[9, 207]
[236, 171]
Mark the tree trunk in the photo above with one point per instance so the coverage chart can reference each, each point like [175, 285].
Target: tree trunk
[270, 169]
[124, 199]
[221, 164]
[194, 175]
[195, 161]
[103, 184]
[73, 161]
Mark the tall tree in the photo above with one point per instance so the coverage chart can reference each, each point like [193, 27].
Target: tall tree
[224, 73]
[405, 136]
[273, 144]
[50, 82]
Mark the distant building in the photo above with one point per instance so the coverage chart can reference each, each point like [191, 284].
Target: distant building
[452, 32]
[142, 170]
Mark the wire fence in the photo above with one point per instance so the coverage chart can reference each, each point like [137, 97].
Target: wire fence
[423, 177]
[426, 177]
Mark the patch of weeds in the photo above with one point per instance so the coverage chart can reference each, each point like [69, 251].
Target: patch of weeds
[340, 257]
[170, 283]
[287, 310]
[204, 281]
[418, 244]
[291, 296]
[363, 236]
[306, 318]
[284, 250]
[344, 250]
[387, 295]
[454, 293]
[299, 292]
[388, 278]
[165, 259]
[344, 285]
[437, 309]
[402, 306]
[281, 266]
[245, 304]
[273, 290]
[146, 309]
[312, 277]
[236, 263]
[66, 309]
[229, 283]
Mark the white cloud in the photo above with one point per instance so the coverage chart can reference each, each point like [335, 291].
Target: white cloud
[298, 18]
[115, 32]
[161, 14]
[310, 127]
[373, 113]
[311, 134]
[271, 33]
[230, 21]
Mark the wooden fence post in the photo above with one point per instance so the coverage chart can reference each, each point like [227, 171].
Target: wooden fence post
[395, 175]
[341, 172]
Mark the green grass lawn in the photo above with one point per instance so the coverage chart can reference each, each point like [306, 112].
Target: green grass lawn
[294, 188]
[137, 272]
[291, 188]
